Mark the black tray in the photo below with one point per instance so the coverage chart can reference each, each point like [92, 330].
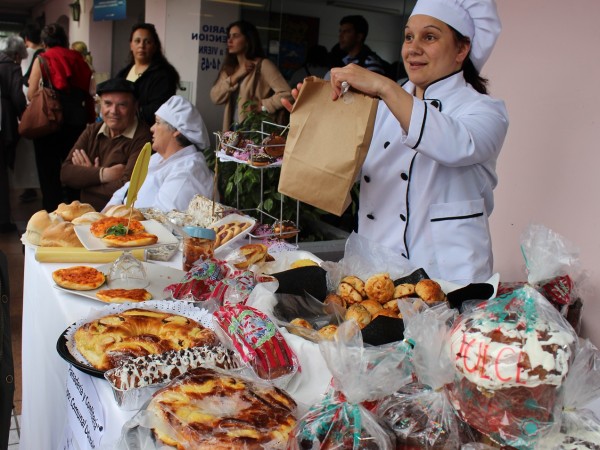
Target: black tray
[63, 351]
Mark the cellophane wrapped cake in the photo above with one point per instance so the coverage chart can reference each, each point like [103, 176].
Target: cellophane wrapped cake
[361, 375]
[420, 413]
[578, 428]
[511, 355]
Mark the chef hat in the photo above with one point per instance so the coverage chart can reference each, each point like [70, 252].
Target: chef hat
[476, 19]
[186, 119]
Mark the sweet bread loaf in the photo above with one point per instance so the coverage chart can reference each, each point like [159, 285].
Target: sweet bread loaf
[107, 341]
[209, 410]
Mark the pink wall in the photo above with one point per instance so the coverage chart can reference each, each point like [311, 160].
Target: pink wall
[545, 66]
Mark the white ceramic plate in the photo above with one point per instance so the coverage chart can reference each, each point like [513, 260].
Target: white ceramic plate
[160, 277]
[91, 242]
[235, 218]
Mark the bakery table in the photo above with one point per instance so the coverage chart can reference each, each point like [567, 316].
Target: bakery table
[49, 409]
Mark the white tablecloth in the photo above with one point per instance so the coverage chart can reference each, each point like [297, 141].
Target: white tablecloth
[47, 312]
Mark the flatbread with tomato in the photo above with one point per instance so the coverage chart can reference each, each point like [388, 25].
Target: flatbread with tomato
[115, 225]
[79, 278]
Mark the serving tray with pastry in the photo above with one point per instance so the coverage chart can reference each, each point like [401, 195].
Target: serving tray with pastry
[117, 332]
[159, 278]
[254, 148]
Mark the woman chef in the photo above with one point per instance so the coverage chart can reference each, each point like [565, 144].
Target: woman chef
[426, 184]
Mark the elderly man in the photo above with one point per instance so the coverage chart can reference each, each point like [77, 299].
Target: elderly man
[177, 171]
[102, 159]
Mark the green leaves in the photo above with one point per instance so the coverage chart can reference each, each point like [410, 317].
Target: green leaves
[116, 230]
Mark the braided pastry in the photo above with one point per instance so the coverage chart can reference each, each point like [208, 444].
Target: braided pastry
[107, 341]
[204, 409]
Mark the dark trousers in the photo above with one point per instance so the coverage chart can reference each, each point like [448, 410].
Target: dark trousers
[50, 152]
[4, 189]
[7, 381]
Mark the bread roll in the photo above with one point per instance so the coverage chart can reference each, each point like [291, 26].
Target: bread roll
[88, 218]
[300, 322]
[359, 314]
[380, 287]
[36, 226]
[372, 306]
[60, 235]
[123, 211]
[328, 332]
[73, 210]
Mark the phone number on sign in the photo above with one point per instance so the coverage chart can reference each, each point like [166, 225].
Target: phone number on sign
[210, 63]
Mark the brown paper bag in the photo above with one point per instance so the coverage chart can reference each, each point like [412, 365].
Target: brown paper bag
[326, 146]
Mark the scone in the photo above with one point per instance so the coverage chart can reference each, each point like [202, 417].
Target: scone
[430, 291]
[380, 287]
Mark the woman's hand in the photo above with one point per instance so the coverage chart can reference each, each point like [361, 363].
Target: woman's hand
[286, 103]
[360, 79]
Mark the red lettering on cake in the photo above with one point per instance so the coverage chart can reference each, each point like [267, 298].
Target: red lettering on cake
[498, 359]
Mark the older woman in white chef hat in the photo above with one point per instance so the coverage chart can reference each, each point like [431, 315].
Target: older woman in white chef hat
[428, 179]
[178, 170]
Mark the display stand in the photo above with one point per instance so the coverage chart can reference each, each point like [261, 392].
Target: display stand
[228, 152]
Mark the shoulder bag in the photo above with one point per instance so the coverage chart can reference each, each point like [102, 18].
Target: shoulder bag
[44, 115]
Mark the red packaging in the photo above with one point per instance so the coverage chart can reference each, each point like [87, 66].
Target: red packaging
[257, 340]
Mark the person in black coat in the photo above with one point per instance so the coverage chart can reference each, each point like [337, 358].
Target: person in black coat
[156, 80]
[13, 104]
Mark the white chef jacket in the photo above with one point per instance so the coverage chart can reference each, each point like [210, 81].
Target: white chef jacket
[428, 193]
[171, 183]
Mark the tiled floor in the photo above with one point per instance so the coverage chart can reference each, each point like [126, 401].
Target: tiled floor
[15, 433]
[11, 245]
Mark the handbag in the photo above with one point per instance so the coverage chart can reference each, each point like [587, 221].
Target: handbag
[281, 116]
[44, 115]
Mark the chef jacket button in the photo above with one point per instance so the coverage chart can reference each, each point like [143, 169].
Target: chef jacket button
[403, 255]
[386, 144]
[370, 216]
[404, 176]
[435, 104]
[367, 178]
[402, 217]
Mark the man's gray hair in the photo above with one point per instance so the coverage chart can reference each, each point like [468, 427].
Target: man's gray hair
[14, 47]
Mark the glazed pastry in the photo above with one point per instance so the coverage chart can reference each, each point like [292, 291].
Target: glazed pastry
[349, 294]
[404, 290]
[372, 306]
[430, 291]
[328, 332]
[380, 287]
[300, 322]
[356, 283]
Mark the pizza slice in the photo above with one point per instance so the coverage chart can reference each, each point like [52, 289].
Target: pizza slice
[130, 240]
[79, 278]
[115, 226]
[123, 295]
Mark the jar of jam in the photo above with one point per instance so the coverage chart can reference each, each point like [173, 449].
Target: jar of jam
[198, 243]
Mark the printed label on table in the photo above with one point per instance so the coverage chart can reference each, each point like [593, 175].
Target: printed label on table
[85, 415]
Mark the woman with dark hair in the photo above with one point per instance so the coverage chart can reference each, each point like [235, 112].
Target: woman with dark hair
[247, 79]
[427, 183]
[156, 80]
[70, 76]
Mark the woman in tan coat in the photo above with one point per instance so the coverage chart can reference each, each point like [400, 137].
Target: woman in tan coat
[247, 80]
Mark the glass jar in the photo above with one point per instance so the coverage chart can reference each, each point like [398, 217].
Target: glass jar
[198, 243]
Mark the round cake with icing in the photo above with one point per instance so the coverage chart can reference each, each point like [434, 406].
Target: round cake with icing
[511, 356]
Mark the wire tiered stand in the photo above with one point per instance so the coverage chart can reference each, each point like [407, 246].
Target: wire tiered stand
[243, 149]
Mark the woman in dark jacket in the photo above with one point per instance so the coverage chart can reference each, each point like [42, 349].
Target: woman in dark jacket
[13, 105]
[70, 76]
[156, 80]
